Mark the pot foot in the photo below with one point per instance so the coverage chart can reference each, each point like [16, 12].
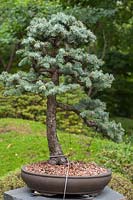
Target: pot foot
[68, 196]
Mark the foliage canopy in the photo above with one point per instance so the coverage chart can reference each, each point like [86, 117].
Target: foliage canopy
[56, 51]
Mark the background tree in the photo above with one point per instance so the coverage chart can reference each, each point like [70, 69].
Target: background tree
[111, 22]
[56, 51]
[15, 16]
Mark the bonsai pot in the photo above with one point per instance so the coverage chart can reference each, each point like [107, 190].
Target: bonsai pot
[76, 185]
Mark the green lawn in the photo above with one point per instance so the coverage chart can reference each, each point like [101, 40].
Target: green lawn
[23, 141]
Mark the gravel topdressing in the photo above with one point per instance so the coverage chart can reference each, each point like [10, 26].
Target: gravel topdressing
[73, 169]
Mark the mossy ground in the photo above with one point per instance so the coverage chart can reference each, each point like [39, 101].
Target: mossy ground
[24, 141]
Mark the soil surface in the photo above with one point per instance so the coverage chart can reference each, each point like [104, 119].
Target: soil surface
[72, 169]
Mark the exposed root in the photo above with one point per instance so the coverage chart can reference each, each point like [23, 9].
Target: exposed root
[58, 160]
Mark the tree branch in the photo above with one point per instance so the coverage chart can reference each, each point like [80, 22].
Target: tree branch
[68, 58]
[104, 46]
[89, 123]
[90, 91]
[51, 70]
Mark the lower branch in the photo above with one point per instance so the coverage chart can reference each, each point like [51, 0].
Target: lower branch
[89, 123]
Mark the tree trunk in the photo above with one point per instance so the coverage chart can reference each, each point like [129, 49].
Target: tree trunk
[56, 154]
[2, 63]
[9, 65]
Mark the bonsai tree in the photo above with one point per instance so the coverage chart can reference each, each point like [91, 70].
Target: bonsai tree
[57, 53]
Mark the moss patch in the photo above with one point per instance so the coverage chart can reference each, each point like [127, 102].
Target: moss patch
[122, 185]
[9, 182]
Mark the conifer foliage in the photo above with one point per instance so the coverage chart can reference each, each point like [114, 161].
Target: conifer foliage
[57, 53]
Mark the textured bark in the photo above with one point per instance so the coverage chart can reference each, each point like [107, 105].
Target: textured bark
[56, 153]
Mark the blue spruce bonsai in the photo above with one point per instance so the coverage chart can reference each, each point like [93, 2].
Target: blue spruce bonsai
[57, 53]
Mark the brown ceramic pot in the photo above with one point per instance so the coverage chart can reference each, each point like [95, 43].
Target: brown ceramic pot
[50, 184]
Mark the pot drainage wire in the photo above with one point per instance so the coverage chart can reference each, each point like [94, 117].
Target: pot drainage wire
[66, 180]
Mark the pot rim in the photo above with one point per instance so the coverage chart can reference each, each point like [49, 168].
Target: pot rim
[109, 173]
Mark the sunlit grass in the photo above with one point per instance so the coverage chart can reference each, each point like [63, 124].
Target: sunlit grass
[23, 141]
